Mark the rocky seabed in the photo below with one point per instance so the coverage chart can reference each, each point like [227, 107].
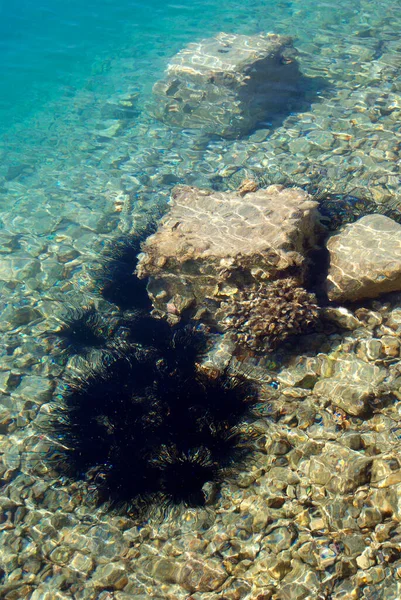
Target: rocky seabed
[317, 511]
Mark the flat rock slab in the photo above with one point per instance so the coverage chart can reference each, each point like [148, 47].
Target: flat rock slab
[340, 470]
[352, 385]
[365, 259]
[226, 84]
[210, 244]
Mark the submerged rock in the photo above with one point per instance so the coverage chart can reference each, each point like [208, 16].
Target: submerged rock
[211, 245]
[365, 259]
[339, 469]
[226, 84]
[351, 385]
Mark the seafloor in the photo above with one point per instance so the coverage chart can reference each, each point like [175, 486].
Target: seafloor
[317, 512]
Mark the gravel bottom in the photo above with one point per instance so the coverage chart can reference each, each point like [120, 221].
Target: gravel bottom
[316, 513]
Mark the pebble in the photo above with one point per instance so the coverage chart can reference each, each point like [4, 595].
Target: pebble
[339, 469]
[113, 575]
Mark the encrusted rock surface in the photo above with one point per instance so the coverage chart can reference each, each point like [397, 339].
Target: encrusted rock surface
[211, 244]
[228, 83]
[262, 316]
[365, 259]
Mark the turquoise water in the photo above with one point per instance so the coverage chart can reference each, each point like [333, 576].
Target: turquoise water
[62, 62]
[51, 50]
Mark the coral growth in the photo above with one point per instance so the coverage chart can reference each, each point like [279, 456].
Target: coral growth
[262, 316]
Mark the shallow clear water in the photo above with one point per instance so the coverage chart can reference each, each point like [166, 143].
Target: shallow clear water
[74, 170]
[53, 48]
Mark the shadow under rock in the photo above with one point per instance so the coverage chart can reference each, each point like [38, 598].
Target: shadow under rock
[292, 99]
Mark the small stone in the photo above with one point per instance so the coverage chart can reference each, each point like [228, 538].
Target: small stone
[61, 555]
[112, 575]
[200, 576]
[280, 567]
[376, 574]
[370, 318]
[365, 560]
[369, 517]
[385, 472]
[340, 469]
[34, 389]
[370, 349]
[280, 447]
[354, 544]
[280, 538]
[81, 563]
[390, 346]
[194, 575]
[112, 128]
[352, 384]
[394, 320]
[341, 316]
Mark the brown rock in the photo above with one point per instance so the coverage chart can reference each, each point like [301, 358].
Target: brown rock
[339, 469]
[193, 575]
[199, 576]
[112, 575]
[365, 259]
[352, 384]
[211, 244]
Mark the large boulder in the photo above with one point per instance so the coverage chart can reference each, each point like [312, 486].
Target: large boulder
[365, 259]
[211, 245]
[226, 84]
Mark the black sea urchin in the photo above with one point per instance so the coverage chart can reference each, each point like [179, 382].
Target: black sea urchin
[84, 330]
[146, 426]
[116, 279]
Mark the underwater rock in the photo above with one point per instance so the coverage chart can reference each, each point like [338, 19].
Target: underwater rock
[212, 244]
[194, 575]
[225, 85]
[339, 469]
[352, 384]
[341, 316]
[365, 259]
